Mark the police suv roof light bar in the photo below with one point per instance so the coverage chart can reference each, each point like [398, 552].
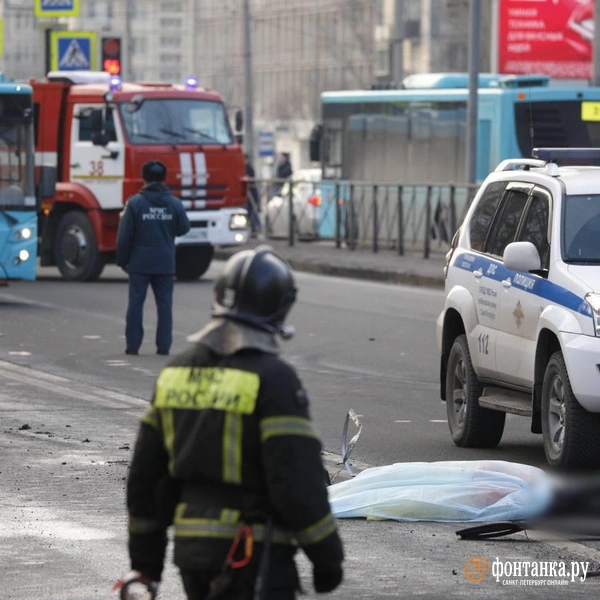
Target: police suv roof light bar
[555, 154]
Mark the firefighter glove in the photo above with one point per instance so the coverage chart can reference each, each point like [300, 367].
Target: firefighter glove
[327, 577]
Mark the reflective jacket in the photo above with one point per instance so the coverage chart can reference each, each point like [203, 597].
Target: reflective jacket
[232, 435]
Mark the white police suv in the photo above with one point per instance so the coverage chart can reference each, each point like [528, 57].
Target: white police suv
[520, 329]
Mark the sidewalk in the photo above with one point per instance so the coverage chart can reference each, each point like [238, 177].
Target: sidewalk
[386, 265]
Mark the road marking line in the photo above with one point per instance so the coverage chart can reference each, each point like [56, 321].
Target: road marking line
[438, 420]
[402, 421]
[27, 376]
[31, 372]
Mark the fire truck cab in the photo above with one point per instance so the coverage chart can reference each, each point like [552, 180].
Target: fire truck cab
[97, 132]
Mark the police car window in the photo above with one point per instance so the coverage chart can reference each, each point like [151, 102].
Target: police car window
[506, 224]
[535, 224]
[85, 127]
[484, 214]
[581, 228]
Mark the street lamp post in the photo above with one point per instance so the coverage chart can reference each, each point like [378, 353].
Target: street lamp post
[474, 24]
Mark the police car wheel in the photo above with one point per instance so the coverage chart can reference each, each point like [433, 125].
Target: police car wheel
[471, 426]
[571, 434]
[75, 250]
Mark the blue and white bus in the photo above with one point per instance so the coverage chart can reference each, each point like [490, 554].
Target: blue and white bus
[418, 134]
[18, 205]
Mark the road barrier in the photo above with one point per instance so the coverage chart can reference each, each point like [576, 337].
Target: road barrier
[355, 214]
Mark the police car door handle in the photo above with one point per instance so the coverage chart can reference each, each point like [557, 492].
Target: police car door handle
[507, 282]
[75, 166]
[478, 273]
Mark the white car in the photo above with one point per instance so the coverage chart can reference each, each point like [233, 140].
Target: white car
[520, 329]
[306, 202]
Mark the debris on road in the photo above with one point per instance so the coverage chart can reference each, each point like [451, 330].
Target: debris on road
[348, 448]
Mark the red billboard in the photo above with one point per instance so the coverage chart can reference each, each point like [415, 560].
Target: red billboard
[553, 37]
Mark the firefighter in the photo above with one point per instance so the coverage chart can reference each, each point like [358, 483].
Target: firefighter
[227, 454]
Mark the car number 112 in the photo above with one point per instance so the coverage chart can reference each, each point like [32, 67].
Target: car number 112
[483, 340]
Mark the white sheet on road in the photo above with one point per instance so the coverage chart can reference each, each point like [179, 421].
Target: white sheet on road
[453, 491]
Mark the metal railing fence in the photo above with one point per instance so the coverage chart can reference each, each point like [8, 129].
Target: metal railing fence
[354, 214]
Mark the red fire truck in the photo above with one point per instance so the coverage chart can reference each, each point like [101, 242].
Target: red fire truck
[97, 132]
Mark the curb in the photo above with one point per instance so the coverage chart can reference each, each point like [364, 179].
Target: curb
[398, 277]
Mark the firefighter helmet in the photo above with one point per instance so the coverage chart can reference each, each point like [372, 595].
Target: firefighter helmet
[256, 287]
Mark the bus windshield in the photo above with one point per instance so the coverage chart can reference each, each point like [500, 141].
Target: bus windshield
[581, 228]
[554, 124]
[15, 185]
[176, 121]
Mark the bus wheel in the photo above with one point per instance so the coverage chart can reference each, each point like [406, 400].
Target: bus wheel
[75, 249]
[191, 262]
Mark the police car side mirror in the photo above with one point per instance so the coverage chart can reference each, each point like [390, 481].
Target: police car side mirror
[522, 257]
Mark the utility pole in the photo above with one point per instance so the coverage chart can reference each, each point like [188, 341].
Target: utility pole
[596, 50]
[495, 35]
[193, 45]
[397, 42]
[474, 24]
[129, 39]
[249, 120]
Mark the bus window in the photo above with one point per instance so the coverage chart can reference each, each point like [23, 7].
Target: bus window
[555, 125]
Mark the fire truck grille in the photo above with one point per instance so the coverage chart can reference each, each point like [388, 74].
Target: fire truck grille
[200, 192]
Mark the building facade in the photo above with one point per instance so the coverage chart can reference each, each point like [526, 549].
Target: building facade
[299, 48]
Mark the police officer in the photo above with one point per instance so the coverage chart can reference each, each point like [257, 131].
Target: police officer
[146, 250]
[227, 453]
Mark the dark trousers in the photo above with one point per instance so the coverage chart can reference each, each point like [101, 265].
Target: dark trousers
[282, 582]
[162, 286]
[253, 208]
[196, 586]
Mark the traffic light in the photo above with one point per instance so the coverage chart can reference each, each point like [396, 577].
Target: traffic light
[111, 55]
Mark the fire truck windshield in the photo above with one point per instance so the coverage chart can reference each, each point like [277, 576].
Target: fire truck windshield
[14, 156]
[177, 121]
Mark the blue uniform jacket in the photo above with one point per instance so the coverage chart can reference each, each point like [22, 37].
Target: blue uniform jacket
[147, 231]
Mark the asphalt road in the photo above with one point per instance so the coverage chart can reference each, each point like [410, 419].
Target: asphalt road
[367, 346]
[360, 345]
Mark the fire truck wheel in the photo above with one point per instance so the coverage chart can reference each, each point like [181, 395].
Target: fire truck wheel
[192, 261]
[75, 249]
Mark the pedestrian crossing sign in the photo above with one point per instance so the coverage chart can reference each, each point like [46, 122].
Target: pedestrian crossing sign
[72, 50]
[56, 8]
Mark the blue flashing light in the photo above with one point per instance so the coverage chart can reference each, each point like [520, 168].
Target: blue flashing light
[191, 83]
[566, 154]
[116, 83]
